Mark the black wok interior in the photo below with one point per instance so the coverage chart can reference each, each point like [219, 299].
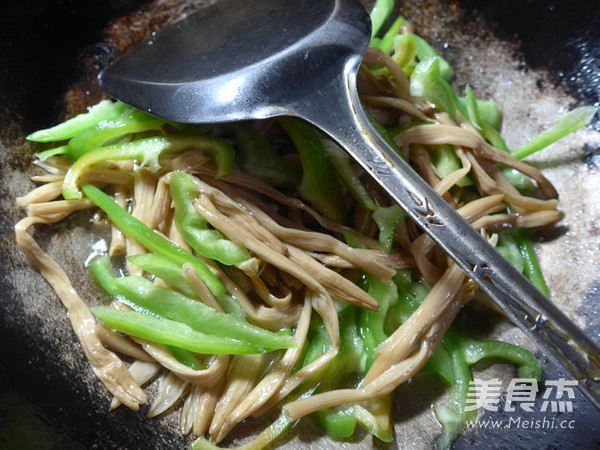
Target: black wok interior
[40, 47]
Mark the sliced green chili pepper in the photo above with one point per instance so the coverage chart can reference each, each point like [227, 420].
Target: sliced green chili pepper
[425, 50]
[489, 112]
[379, 14]
[340, 160]
[445, 161]
[410, 295]
[486, 116]
[172, 273]
[57, 151]
[507, 246]
[144, 296]
[517, 179]
[476, 350]
[318, 186]
[337, 424]
[572, 121]
[135, 229]
[352, 240]
[318, 343]
[350, 361]
[148, 152]
[169, 332]
[451, 365]
[105, 110]
[480, 111]
[387, 41]
[375, 416]
[256, 156]
[383, 132]
[371, 324]
[102, 270]
[107, 130]
[194, 229]
[165, 269]
[405, 49]
[469, 103]
[531, 265]
[185, 357]
[427, 83]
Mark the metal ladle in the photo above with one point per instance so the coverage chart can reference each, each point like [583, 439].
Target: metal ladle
[239, 60]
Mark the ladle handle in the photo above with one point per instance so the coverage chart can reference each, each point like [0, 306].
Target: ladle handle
[523, 303]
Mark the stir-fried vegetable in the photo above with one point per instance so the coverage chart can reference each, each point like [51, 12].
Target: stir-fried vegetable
[232, 240]
[143, 296]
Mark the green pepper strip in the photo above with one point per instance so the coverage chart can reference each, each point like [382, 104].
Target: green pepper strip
[445, 161]
[144, 296]
[375, 417]
[379, 14]
[410, 296]
[57, 151]
[425, 50]
[531, 267]
[486, 116]
[340, 160]
[165, 269]
[105, 110]
[256, 156]
[362, 332]
[172, 273]
[135, 229]
[148, 151]
[263, 440]
[529, 366]
[107, 130]
[428, 83]
[450, 364]
[371, 324]
[405, 49]
[507, 247]
[383, 132]
[339, 424]
[481, 111]
[194, 229]
[102, 270]
[572, 121]
[387, 42]
[349, 361]
[170, 332]
[318, 186]
[186, 357]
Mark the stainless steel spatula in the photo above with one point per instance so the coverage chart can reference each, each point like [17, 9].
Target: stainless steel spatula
[241, 59]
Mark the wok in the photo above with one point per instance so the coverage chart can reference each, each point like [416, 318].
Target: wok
[534, 58]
